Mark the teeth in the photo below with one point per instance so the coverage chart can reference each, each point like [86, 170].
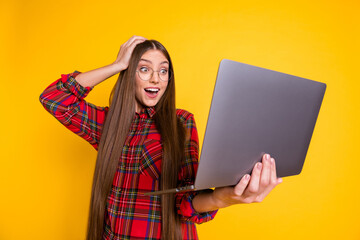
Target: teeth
[152, 89]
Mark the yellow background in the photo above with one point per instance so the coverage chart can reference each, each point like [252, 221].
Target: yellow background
[46, 171]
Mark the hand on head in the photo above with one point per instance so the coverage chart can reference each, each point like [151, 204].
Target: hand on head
[125, 52]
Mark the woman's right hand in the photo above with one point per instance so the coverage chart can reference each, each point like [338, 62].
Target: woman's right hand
[93, 77]
[126, 49]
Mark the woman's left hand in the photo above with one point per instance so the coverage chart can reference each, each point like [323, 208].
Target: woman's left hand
[252, 188]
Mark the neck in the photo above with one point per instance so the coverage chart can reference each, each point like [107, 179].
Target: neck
[138, 107]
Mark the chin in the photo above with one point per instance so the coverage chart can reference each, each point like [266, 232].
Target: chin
[151, 104]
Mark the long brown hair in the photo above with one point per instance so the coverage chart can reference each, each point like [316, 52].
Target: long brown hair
[114, 133]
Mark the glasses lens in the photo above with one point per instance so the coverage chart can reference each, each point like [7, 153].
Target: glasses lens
[146, 74]
[164, 74]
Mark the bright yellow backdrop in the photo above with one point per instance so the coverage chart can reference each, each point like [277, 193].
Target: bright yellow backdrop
[46, 171]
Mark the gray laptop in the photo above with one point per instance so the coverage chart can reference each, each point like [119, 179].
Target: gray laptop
[255, 111]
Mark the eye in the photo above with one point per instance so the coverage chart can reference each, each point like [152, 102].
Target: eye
[163, 71]
[144, 69]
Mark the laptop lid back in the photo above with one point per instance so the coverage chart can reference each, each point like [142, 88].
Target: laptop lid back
[256, 111]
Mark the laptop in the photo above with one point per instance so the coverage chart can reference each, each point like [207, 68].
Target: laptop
[255, 111]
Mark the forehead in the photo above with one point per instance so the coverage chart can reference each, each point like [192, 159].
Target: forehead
[154, 56]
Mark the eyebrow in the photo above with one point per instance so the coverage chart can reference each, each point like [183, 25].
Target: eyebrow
[142, 59]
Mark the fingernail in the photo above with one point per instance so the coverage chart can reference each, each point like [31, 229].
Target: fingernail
[247, 176]
[272, 160]
[280, 180]
[259, 166]
[267, 156]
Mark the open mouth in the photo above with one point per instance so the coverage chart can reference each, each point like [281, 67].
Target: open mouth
[152, 92]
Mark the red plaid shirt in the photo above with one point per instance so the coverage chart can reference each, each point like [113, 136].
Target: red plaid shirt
[129, 213]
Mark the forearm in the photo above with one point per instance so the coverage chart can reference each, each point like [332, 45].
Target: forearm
[96, 76]
[204, 202]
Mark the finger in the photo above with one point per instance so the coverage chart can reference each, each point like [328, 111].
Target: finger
[131, 45]
[241, 186]
[125, 44]
[267, 190]
[273, 177]
[126, 50]
[132, 39]
[129, 50]
[255, 179]
[266, 171]
[135, 42]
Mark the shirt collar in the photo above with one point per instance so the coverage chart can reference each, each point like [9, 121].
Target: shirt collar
[150, 111]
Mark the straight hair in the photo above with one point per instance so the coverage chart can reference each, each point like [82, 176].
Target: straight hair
[116, 128]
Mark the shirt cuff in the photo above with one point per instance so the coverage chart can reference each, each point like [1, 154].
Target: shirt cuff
[187, 210]
[70, 83]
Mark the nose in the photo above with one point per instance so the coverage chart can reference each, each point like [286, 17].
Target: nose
[155, 77]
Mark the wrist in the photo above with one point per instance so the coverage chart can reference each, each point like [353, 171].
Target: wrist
[118, 67]
[218, 199]
[204, 201]
[216, 202]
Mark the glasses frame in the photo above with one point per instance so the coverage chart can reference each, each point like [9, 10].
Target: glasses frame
[152, 74]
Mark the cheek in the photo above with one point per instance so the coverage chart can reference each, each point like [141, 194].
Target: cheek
[166, 85]
[138, 87]
[137, 93]
[137, 82]
[165, 88]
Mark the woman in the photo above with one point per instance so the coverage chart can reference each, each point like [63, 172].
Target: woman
[144, 144]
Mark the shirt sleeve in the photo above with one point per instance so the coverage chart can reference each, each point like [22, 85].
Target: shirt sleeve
[64, 99]
[187, 177]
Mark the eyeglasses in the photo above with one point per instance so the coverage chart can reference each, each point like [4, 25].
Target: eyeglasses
[146, 73]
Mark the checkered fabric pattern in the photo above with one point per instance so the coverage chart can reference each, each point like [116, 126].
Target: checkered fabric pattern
[129, 213]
